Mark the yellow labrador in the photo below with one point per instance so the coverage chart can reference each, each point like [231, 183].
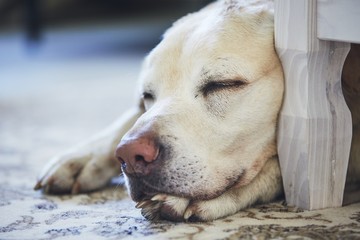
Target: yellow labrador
[201, 143]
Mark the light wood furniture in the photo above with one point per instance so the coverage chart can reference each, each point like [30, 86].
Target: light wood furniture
[315, 129]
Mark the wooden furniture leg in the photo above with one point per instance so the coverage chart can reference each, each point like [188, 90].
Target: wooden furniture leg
[315, 127]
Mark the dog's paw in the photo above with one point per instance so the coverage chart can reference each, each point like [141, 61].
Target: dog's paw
[177, 209]
[163, 206]
[202, 211]
[77, 171]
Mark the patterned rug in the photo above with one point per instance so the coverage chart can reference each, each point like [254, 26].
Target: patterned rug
[109, 214]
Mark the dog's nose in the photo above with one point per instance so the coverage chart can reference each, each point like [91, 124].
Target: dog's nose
[137, 154]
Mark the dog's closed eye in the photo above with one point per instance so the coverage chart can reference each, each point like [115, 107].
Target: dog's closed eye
[215, 86]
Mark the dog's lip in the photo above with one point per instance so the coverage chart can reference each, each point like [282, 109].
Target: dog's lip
[152, 191]
[148, 195]
[148, 191]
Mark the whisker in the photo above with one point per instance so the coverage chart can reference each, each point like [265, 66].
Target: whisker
[118, 184]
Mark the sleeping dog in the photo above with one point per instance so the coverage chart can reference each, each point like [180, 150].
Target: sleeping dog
[201, 143]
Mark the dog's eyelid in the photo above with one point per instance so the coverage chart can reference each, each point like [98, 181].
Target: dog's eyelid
[214, 86]
[236, 82]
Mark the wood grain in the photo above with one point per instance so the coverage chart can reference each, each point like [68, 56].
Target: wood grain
[315, 126]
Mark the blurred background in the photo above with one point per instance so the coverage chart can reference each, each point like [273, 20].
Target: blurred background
[37, 15]
[68, 68]
[33, 31]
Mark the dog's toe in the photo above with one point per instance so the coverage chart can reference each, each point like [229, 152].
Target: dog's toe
[150, 209]
[95, 174]
[163, 207]
[202, 211]
[60, 174]
[193, 214]
[208, 210]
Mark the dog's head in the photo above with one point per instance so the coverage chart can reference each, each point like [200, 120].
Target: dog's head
[211, 92]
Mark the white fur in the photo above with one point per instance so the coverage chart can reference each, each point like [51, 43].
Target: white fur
[223, 143]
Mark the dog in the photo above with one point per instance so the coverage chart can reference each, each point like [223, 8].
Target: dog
[201, 143]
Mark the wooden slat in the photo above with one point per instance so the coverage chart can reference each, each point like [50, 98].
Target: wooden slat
[315, 129]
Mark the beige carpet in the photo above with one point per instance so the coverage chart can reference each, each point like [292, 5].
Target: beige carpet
[49, 104]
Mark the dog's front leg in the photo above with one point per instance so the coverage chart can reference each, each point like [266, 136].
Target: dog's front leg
[90, 165]
[265, 187]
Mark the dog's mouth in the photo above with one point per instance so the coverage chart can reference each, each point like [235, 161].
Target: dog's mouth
[147, 194]
[142, 190]
[154, 204]
[148, 197]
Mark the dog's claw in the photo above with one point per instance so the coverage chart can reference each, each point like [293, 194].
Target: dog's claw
[76, 188]
[47, 188]
[38, 186]
[143, 204]
[149, 209]
[151, 213]
[159, 197]
[188, 213]
[139, 204]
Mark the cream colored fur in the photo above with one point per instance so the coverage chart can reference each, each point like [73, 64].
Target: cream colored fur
[225, 138]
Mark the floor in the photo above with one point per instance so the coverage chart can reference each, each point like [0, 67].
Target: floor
[61, 92]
